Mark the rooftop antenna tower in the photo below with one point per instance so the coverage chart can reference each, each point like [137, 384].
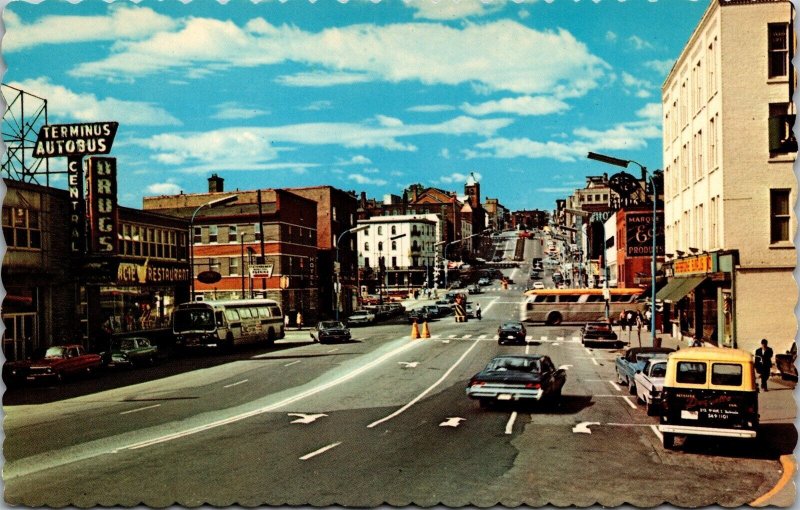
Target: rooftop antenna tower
[24, 116]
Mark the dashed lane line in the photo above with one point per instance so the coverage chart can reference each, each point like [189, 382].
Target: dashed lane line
[628, 400]
[140, 409]
[235, 384]
[321, 450]
[292, 363]
[510, 424]
[615, 385]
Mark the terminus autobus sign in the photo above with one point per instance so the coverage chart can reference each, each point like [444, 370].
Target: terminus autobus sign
[65, 140]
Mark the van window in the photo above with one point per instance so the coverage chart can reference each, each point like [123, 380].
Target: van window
[275, 311]
[691, 372]
[568, 298]
[262, 311]
[726, 374]
[244, 313]
[594, 298]
[548, 299]
[219, 318]
[529, 307]
[254, 312]
[620, 298]
[231, 315]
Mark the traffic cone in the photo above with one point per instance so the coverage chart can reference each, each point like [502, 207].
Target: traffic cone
[425, 332]
[414, 331]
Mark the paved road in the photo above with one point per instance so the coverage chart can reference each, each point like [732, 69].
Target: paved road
[383, 419]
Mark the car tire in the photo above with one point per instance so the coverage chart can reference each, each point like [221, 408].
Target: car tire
[640, 400]
[620, 380]
[650, 408]
[271, 337]
[631, 387]
[668, 440]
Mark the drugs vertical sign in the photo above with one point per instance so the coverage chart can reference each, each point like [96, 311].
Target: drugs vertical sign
[102, 181]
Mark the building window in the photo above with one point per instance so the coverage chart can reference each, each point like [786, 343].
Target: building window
[233, 234]
[380, 231]
[394, 261]
[394, 230]
[685, 166]
[712, 63]
[333, 213]
[380, 246]
[394, 245]
[233, 267]
[213, 231]
[21, 228]
[712, 224]
[366, 261]
[257, 231]
[366, 247]
[197, 238]
[712, 144]
[781, 138]
[778, 49]
[779, 215]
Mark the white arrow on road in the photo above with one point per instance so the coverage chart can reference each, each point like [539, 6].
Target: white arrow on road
[583, 427]
[565, 367]
[408, 364]
[305, 419]
[452, 422]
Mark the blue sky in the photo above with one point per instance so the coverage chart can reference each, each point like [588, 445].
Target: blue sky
[360, 95]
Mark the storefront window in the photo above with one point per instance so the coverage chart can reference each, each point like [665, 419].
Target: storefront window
[137, 308]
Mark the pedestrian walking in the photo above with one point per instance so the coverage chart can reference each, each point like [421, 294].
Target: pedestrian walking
[763, 362]
[639, 324]
[299, 320]
[478, 311]
[286, 322]
[648, 314]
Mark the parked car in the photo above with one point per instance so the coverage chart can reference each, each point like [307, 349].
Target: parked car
[395, 309]
[361, 318]
[634, 359]
[132, 351]
[475, 289]
[418, 315]
[511, 332]
[484, 281]
[599, 333]
[330, 331]
[514, 378]
[470, 311]
[649, 382]
[441, 310]
[56, 363]
[538, 285]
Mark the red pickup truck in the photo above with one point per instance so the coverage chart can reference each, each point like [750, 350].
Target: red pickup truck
[59, 362]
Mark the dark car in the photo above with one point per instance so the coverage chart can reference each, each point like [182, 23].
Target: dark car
[418, 315]
[56, 363]
[511, 332]
[330, 331]
[514, 378]
[132, 351]
[599, 333]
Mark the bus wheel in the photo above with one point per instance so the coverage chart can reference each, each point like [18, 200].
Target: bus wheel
[228, 346]
[554, 319]
[271, 337]
[669, 441]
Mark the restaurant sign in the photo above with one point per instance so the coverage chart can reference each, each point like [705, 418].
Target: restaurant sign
[130, 272]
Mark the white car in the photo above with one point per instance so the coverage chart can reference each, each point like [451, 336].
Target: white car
[649, 382]
[538, 285]
[361, 317]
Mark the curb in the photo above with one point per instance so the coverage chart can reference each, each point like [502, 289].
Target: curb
[789, 467]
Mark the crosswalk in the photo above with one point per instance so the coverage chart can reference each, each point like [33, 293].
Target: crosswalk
[493, 338]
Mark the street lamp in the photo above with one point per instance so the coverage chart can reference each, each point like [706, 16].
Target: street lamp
[211, 203]
[337, 286]
[624, 164]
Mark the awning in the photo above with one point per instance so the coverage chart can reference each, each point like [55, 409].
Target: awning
[677, 288]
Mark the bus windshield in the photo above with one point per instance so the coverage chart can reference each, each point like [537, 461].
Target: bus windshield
[194, 319]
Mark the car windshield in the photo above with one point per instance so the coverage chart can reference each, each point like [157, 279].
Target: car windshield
[514, 364]
[512, 325]
[659, 370]
[201, 318]
[125, 344]
[330, 325]
[55, 352]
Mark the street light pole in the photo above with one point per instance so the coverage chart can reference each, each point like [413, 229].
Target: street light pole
[624, 163]
[211, 203]
[338, 284]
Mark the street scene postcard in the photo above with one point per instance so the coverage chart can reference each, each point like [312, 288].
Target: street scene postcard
[399, 253]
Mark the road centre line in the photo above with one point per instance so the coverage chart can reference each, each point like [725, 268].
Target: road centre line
[255, 412]
[292, 363]
[334, 349]
[235, 384]
[510, 424]
[628, 400]
[321, 450]
[140, 409]
[428, 390]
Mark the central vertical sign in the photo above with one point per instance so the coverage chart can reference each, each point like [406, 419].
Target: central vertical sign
[77, 212]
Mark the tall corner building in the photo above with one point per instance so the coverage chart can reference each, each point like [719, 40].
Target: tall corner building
[730, 186]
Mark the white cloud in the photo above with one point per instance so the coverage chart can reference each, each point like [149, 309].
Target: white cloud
[445, 153]
[316, 106]
[660, 66]
[361, 179]
[638, 43]
[431, 108]
[120, 24]
[250, 147]
[499, 55]
[457, 177]
[523, 105]
[163, 188]
[611, 36]
[232, 110]
[450, 9]
[371, 171]
[385, 121]
[355, 160]
[636, 86]
[64, 103]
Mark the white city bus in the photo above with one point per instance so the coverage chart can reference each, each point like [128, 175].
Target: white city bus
[554, 306]
[227, 323]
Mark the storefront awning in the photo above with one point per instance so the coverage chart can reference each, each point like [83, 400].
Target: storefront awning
[677, 288]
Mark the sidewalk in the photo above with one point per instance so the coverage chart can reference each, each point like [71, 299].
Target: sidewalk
[777, 409]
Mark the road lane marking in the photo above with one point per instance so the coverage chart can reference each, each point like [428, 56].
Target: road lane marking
[453, 336]
[336, 349]
[583, 427]
[292, 363]
[408, 364]
[266, 409]
[452, 422]
[616, 387]
[140, 409]
[470, 336]
[555, 344]
[588, 351]
[789, 467]
[510, 424]
[482, 337]
[595, 362]
[321, 450]
[657, 432]
[628, 400]
[544, 338]
[305, 419]
[576, 339]
[428, 390]
[527, 348]
[236, 383]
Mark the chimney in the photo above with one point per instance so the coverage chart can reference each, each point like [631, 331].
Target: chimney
[215, 184]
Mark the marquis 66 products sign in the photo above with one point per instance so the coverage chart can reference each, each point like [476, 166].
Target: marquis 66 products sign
[639, 234]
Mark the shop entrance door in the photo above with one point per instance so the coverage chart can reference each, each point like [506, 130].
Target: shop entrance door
[20, 334]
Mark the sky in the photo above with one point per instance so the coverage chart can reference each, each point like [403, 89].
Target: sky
[361, 95]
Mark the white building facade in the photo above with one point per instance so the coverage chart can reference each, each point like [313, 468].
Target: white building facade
[729, 182]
